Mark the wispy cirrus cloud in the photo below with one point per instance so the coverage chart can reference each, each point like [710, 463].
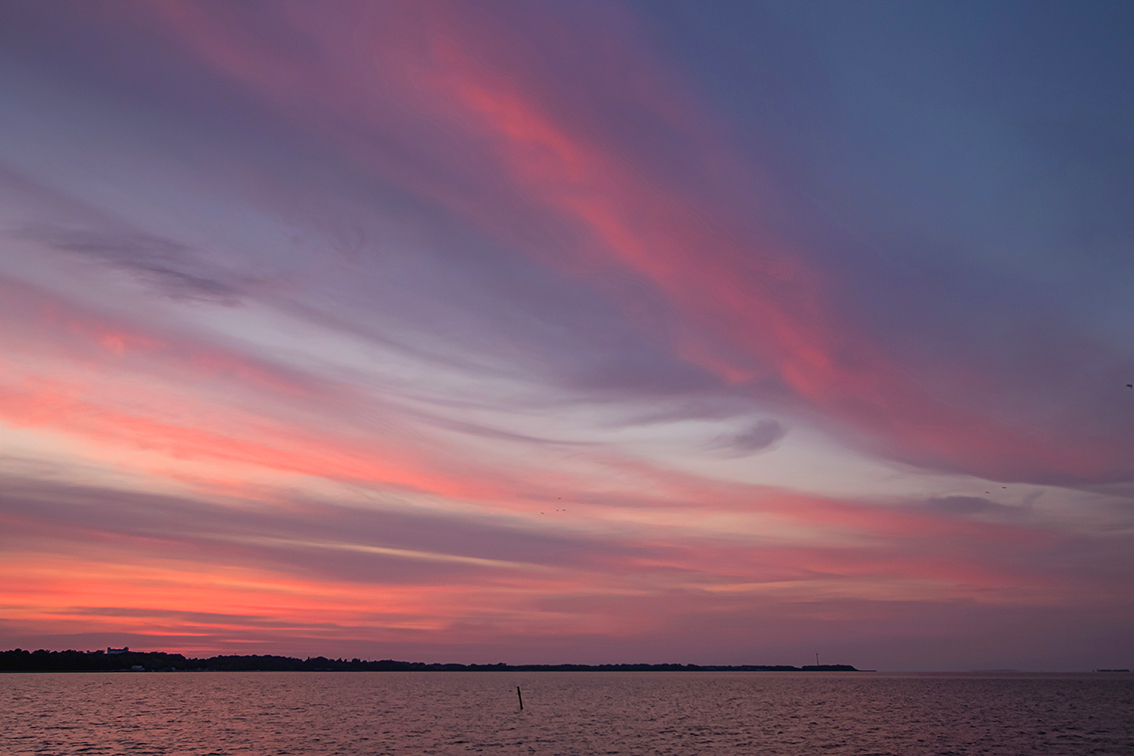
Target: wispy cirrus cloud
[741, 305]
[762, 435]
[451, 327]
[169, 267]
[298, 571]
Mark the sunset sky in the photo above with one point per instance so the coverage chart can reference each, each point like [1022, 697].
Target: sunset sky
[539, 332]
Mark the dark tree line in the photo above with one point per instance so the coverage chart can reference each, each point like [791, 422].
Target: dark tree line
[19, 660]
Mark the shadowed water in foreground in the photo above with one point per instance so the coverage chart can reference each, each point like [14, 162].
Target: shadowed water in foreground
[564, 713]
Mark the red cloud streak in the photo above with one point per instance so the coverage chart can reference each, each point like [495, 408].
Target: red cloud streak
[750, 310]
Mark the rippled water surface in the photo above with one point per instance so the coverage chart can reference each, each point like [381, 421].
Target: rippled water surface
[565, 713]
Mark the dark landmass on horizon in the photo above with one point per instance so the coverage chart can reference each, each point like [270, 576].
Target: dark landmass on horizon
[19, 660]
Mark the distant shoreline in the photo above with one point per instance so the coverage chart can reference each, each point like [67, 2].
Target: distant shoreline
[19, 660]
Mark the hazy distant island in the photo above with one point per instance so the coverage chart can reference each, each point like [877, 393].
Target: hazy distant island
[124, 660]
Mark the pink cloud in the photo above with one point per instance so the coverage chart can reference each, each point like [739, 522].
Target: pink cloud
[750, 310]
[518, 141]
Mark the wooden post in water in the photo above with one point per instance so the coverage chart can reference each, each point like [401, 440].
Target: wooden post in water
[520, 697]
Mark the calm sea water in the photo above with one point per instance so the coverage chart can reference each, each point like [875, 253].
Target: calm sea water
[565, 713]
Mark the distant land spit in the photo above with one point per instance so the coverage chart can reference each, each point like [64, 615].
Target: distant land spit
[120, 660]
